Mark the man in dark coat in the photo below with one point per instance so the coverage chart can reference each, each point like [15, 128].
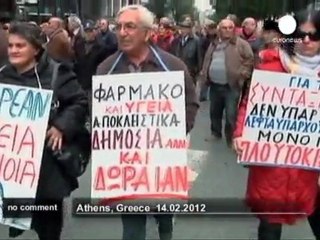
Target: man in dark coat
[188, 48]
[107, 37]
[93, 55]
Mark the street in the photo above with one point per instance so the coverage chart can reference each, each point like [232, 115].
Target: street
[220, 177]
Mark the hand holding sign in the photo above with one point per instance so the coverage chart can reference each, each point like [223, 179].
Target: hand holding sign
[54, 139]
[282, 121]
[24, 118]
[237, 145]
[139, 145]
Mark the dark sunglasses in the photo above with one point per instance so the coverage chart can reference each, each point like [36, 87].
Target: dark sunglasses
[312, 36]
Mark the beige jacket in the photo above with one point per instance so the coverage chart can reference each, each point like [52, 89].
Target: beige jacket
[239, 62]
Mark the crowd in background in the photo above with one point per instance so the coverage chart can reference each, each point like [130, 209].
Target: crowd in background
[219, 57]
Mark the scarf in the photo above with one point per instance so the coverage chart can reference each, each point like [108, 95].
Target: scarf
[301, 65]
[248, 37]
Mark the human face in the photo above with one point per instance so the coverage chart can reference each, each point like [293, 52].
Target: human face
[54, 23]
[21, 52]
[211, 30]
[249, 26]
[90, 35]
[131, 33]
[103, 24]
[310, 44]
[226, 29]
[162, 29]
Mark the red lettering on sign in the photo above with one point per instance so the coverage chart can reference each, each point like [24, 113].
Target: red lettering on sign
[174, 179]
[113, 110]
[118, 177]
[177, 144]
[99, 183]
[288, 155]
[18, 171]
[296, 97]
[149, 107]
[17, 139]
[134, 158]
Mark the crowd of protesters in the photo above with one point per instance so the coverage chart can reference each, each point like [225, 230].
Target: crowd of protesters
[219, 58]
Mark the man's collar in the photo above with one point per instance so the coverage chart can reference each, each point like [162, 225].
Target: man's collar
[232, 40]
[149, 59]
[190, 35]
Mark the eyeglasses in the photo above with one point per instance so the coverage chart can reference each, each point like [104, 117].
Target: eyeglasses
[126, 26]
[312, 36]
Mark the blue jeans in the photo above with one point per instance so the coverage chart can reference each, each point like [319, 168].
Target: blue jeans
[134, 226]
[223, 97]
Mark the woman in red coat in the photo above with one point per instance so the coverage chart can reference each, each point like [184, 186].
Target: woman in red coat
[278, 189]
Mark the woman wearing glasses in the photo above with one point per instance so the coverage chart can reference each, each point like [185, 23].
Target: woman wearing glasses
[278, 189]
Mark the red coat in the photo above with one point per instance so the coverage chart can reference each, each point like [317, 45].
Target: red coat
[276, 189]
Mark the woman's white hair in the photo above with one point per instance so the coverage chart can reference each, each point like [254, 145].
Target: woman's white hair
[74, 21]
[146, 16]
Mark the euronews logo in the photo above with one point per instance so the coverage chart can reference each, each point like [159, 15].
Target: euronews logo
[287, 25]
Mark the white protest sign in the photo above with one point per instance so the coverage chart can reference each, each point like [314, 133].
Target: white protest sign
[282, 122]
[139, 136]
[24, 115]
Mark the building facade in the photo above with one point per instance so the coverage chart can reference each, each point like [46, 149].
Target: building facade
[261, 8]
[8, 10]
[108, 8]
[39, 10]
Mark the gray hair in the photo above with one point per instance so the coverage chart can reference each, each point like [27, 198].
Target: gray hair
[147, 17]
[74, 21]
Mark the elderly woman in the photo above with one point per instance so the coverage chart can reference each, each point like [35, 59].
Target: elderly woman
[280, 189]
[30, 66]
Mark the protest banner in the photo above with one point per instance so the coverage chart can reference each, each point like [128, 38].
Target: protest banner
[282, 122]
[139, 144]
[23, 124]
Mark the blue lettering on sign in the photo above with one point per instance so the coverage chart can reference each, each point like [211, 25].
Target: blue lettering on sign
[281, 124]
[24, 103]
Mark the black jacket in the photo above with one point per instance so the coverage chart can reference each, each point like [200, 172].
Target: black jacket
[53, 182]
[190, 53]
[110, 42]
[87, 64]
